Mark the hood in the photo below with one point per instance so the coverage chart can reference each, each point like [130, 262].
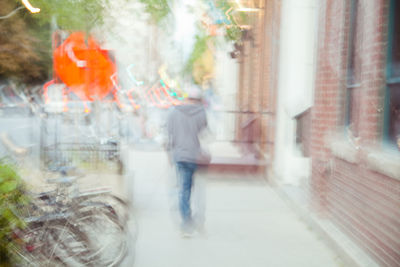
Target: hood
[190, 109]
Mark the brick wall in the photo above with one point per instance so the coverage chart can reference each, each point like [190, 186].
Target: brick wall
[326, 112]
[364, 203]
[373, 63]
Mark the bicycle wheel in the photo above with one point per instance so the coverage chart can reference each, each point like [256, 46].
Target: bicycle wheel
[106, 236]
[114, 204]
[54, 244]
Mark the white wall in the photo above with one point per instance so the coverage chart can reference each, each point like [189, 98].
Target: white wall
[295, 85]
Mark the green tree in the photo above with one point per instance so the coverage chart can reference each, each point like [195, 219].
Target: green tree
[74, 15]
[158, 9]
[23, 54]
[25, 38]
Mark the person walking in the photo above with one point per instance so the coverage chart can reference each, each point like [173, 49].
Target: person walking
[185, 123]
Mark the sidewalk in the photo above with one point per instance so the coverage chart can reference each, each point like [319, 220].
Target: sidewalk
[350, 253]
[247, 223]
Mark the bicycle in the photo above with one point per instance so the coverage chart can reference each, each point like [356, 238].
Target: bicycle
[80, 228]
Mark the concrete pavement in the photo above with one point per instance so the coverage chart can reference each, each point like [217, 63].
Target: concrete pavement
[247, 223]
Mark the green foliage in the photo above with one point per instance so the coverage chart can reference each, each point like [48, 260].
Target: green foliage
[158, 9]
[75, 15]
[233, 33]
[12, 197]
[25, 46]
[199, 48]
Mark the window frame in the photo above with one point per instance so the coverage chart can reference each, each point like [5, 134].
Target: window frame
[390, 80]
[351, 84]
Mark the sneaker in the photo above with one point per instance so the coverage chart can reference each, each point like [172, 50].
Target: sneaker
[187, 230]
[186, 234]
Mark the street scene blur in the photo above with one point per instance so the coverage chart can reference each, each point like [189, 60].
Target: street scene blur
[156, 133]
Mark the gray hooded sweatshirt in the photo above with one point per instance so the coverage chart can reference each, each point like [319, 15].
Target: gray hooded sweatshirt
[184, 125]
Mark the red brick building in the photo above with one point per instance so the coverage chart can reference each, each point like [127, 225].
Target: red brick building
[352, 131]
[355, 123]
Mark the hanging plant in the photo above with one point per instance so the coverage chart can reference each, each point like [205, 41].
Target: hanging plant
[233, 29]
[233, 33]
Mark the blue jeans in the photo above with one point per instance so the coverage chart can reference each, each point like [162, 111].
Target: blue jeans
[185, 174]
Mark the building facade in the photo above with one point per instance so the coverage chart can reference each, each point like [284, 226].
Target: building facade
[322, 80]
[354, 134]
[258, 76]
[333, 102]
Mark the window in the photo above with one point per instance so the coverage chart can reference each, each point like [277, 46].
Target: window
[392, 96]
[353, 71]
